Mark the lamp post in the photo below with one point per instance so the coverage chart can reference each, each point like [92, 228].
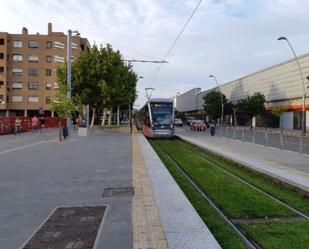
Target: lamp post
[69, 67]
[303, 84]
[222, 104]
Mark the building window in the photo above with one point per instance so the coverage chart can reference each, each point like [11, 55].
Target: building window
[48, 59]
[48, 72]
[17, 57]
[33, 44]
[58, 58]
[17, 98]
[33, 58]
[1, 56]
[1, 99]
[48, 86]
[17, 44]
[17, 85]
[33, 85]
[49, 44]
[58, 45]
[47, 99]
[32, 72]
[1, 41]
[1, 70]
[17, 71]
[1, 83]
[33, 99]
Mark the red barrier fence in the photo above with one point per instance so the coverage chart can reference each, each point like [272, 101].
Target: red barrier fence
[7, 124]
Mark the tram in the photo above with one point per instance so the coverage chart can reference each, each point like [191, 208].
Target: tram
[157, 117]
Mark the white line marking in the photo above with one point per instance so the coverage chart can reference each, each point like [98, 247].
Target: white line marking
[22, 147]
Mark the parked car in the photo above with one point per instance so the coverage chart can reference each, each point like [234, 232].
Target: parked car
[178, 122]
[189, 120]
[198, 125]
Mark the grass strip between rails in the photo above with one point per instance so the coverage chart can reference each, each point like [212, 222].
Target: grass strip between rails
[224, 234]
[280, 234]
[235, 198]
[285, 193]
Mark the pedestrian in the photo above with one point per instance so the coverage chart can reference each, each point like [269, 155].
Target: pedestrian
[42, 125]
[34, 124]
[17, 126]
[212, 129]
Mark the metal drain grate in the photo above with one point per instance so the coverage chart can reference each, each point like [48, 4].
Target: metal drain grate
[69, 228]
[118, 192]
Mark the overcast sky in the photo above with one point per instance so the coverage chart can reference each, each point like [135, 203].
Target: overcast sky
[227, 38]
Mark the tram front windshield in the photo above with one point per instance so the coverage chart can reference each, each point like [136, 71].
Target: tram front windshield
[161, 113]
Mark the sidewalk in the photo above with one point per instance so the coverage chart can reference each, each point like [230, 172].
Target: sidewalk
[290, 167]
[36, 179]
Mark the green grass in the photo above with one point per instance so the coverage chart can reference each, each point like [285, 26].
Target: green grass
[226, 236]
[282, 192]
[280, 234]
[235, 198]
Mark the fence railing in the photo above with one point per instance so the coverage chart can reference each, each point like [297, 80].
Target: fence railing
[7, 124]
[285, 140]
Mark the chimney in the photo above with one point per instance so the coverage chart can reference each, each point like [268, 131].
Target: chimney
[24, 31]
[50, 28]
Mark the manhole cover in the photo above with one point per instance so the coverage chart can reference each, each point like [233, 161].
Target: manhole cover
[118, 192]
[69, 228]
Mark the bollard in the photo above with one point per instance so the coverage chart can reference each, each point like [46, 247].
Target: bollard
[301, 145]
[266, 138]
[243, 135]
[281, 140]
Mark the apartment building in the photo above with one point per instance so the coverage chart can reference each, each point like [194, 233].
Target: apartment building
[28, 64]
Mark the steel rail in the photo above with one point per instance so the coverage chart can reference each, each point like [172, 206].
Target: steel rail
[250, 184]
[251, 244]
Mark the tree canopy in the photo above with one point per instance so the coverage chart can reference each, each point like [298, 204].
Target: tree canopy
[251, 105]
[101, 79]
[212, 104]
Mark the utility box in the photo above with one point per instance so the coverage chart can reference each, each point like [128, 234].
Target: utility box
[83, 128]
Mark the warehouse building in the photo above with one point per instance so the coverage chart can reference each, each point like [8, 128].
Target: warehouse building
[281, 85]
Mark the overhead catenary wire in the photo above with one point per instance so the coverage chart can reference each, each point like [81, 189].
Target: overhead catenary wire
[175, 41]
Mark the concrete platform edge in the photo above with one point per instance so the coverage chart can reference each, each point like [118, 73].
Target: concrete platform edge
[183, 227]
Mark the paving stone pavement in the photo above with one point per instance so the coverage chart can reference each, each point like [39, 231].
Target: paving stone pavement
[147, 228]
[36, 179]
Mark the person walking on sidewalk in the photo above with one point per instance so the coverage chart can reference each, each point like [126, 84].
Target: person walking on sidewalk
[212, 129]
[17, 126]
[42, 125]
[34, 124]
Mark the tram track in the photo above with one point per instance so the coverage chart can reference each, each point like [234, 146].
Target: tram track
[236, 224]
[303, 215]
[248, 241]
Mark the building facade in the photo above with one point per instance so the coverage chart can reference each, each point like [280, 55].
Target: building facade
[28, 64]
[281, 85]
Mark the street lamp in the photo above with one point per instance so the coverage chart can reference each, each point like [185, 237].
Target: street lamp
[69, 67]
[303, 84]
[221, 95]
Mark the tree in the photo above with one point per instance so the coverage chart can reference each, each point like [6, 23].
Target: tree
[251, 106]
[60, 103]
[213, 105]
[101, 80]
